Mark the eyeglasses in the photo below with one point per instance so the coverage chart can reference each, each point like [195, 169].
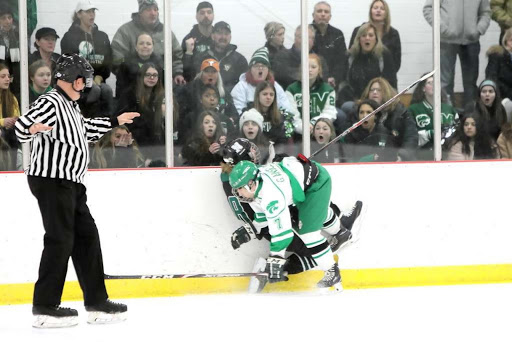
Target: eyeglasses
[375, 90]
[259, 66]
[151, 76]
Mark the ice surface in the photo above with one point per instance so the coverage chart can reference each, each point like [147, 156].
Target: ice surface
[448, 313]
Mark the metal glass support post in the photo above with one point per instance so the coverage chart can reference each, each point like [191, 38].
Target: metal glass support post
[304, 52]
[24, 96]
[436, 49]
[169, 105]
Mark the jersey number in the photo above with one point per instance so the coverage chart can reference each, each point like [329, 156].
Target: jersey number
[238, 209]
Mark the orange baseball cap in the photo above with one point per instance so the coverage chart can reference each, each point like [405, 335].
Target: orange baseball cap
[210, 62]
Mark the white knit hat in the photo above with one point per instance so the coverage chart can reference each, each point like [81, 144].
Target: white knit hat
[252, 115]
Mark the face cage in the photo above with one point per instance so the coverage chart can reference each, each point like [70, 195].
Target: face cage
[241, 198]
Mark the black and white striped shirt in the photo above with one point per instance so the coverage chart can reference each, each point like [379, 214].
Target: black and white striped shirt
[62, 152]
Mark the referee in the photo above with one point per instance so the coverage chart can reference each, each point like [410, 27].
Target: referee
[58, 162]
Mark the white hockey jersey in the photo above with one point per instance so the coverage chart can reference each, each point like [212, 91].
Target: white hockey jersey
[272, 198]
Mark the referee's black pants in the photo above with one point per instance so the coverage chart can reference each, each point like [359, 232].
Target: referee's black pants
[69, 231]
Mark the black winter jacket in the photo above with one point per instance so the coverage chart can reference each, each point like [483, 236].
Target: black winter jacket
[362, 69]
[94, 47]
[232, 64]
[391, 40]
[128, 70]
[333, 49]
[202, 44]
[499, 69]
[397, 128]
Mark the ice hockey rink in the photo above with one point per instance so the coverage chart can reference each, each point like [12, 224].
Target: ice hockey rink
[437, 313]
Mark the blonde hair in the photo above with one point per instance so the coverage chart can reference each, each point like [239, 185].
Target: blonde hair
[271, 28]
[506, 36]
[106, 142]
[329, 123]
[387, 20]
[387, 91]
[355, 49]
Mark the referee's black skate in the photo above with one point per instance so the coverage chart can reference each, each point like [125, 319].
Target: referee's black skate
[106, 312]
[348, 219]
[332, 277]
[53, 316]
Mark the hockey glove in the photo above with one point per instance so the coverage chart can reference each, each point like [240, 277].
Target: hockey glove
[275, 269]
[242, 235]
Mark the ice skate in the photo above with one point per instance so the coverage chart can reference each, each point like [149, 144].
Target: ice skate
[348, 219]
[257, 283]
[106, 312]
[331, 278]
[53, 316]
[340, 239]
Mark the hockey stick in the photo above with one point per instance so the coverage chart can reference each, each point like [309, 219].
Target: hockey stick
[384, 105]
[192, 275]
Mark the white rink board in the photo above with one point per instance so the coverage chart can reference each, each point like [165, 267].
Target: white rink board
[178, 221]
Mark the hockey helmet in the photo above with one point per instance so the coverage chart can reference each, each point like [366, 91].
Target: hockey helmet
[242, 174]
[240, 149]
[71, 67]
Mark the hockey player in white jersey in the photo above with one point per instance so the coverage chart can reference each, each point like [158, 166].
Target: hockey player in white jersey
[337, 228]
[271, 189]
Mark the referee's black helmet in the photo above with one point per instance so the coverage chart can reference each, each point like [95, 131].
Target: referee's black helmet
[71, 67]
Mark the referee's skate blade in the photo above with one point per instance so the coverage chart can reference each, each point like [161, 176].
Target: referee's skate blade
[98, 317]
[49, 322]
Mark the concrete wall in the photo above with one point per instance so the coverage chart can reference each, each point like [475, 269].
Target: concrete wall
[178, 221]
[248, 17]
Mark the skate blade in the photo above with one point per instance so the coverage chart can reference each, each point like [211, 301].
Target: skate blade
[337, 288]
[49, 322]
[98, 317]
[356, 227]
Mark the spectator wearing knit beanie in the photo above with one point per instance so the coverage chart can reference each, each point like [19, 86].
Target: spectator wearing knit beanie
[259, 71]
[146, 20]
[143, 4]
[251, 128]
[260, 56]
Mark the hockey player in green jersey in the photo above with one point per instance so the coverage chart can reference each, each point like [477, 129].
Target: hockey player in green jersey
[271, 189]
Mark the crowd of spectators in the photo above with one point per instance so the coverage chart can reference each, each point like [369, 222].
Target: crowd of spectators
[220, 94]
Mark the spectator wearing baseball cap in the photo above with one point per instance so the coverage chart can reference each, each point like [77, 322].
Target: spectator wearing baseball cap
[232, 63]
[146, 20]
[46, 37]
[189, 98]
[87, 40]
[199, 38]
